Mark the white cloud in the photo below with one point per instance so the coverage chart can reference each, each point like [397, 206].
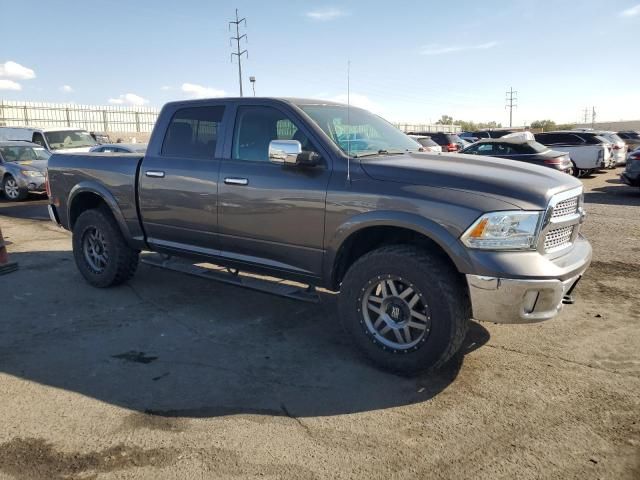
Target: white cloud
[164, 88]
[436, 49]
[128, 99]
[9, 85]
[200, 91]
[66, 88]
[16, 71]
[326, 14]
[631, 11]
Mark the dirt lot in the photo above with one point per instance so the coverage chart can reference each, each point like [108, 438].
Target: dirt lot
[178, 377]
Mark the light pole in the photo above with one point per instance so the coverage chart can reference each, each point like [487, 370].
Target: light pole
[253, 84]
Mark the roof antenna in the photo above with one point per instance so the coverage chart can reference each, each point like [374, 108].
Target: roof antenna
[348, 120]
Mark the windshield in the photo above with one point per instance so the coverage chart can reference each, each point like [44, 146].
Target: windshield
[23, 154]
[357, 132]
[69, 139]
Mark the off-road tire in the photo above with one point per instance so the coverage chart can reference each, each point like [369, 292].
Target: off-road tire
[443, 289]
[122, 259]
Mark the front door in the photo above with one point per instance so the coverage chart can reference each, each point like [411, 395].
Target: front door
[271, 215]
[179, 183]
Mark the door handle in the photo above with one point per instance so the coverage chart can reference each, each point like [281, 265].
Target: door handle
[236, 181]
[154, 173]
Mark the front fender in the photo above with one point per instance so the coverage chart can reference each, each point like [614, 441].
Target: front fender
[410, 221]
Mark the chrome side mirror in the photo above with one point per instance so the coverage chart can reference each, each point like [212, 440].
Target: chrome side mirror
[284, 152]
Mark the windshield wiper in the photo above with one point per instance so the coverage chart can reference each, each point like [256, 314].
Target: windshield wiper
[379, 152]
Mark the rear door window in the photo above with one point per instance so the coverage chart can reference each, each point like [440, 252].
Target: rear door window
[193, 132]
[485, 149]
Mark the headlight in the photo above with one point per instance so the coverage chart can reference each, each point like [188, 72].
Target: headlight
[32, 173]
[516, 230]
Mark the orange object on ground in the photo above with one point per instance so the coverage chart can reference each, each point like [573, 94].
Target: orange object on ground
[5, 265]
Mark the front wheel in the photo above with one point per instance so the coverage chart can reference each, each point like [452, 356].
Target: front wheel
[405, 308]
[100, 250]
[12, 190]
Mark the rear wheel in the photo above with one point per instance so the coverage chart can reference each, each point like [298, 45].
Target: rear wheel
[574, 170]
[12, 190]
[405, 308]
[100, 250]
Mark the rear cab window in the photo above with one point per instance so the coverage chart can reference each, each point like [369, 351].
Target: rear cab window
[193, 132]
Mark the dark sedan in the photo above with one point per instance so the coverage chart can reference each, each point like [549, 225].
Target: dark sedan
[528, 151]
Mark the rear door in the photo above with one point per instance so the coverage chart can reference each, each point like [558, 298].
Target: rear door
[272, 215]
[179, 181]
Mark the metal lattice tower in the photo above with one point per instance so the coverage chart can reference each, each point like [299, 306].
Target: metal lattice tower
[238, 53]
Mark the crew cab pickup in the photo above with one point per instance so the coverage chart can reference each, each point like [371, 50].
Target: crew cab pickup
[417, 244]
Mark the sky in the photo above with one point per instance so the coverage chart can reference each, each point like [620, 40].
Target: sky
[409, 61]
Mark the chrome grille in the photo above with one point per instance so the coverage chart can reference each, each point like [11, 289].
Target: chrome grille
[565, 207]
[558, 237]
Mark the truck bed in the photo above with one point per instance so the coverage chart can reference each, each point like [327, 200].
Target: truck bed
[114, 175]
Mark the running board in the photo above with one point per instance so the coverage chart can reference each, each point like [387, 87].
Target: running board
[234, 277]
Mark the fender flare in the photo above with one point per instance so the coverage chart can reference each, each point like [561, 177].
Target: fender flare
[102, 192]
[434, 231]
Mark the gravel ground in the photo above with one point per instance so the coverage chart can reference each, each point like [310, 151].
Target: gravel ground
[173, 376]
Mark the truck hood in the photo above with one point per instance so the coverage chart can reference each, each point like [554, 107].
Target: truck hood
[525, 186]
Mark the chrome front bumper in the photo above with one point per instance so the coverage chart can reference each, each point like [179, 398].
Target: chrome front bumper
[505, 300]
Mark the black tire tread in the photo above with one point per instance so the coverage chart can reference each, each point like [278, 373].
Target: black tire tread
[127, 257]
[454, 291]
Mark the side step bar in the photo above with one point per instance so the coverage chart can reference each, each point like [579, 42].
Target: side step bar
[234, 277]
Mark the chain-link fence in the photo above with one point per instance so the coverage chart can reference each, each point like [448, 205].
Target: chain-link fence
[89, 117]
[96, 118]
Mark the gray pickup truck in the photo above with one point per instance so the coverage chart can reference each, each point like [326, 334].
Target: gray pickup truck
[417, 244]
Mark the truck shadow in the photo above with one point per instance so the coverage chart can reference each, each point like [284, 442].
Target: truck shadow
[171, 345]
[618, 194]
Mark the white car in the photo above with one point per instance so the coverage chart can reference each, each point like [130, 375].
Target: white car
[588, 151]
[427, 144]
[618, 146]
[54, 139]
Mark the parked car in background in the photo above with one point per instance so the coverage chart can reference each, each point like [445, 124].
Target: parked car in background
[468, 136]
[618, 147]
[427, 144]
[480, 134]
[22, 169]
[587, 151]
[631, 138]
[60, 140]
[100, 137]
[528, 151]
[416, 244]
[450, 142]
[120, 148]
[631, 174]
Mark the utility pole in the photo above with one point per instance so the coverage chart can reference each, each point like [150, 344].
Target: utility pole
[593, 117]
[586, 116]
[252, 79]
[238, 53]
[511, 104]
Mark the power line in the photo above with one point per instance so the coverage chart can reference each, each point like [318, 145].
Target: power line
[238, 53]
[511, 103]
